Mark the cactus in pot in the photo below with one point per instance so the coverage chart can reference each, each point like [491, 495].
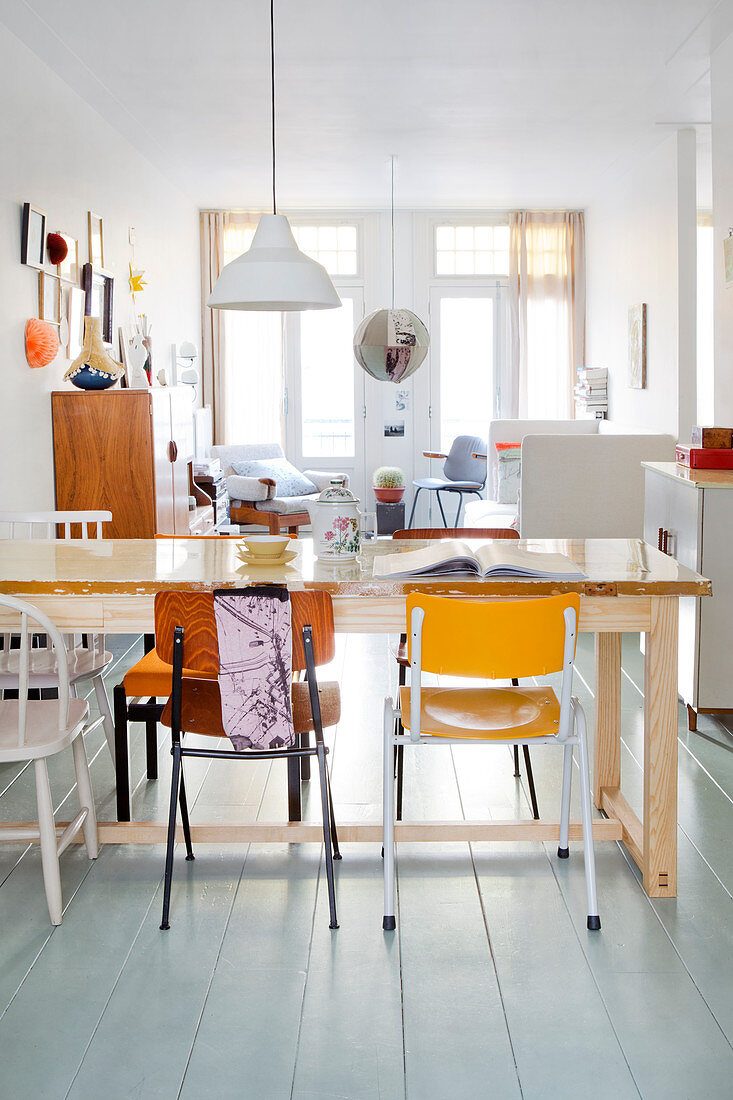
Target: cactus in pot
[388, 483]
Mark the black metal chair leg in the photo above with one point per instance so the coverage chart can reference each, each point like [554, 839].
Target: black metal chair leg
[122, 756]
[184, 817]
[530, 783]
[458, 513]
[294, 809]
[440, 505]
[400, 772]
[175, 776]
[305, 761]
[414, 505]
[333, 922]
[517, 772]
[151, 743]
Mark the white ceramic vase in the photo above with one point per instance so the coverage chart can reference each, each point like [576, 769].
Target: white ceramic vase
[335, 521]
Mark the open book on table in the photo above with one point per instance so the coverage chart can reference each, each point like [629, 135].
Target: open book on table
[492, 559]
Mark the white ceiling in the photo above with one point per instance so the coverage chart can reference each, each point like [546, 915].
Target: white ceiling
[490, 103]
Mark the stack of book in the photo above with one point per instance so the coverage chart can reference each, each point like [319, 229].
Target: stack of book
[591, 393]
[709, 449]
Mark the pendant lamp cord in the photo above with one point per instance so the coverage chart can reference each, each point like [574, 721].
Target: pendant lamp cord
[272, 96]
[393, 159]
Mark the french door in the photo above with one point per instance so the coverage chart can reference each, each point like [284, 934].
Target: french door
[468, 351]
[324, 389]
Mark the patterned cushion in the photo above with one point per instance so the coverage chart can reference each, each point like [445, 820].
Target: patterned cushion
[508, 472]
[289, 482]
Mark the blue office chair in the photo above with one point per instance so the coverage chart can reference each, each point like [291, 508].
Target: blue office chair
[462, 473]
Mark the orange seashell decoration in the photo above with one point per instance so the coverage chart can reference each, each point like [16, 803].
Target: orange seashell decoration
[41, 343]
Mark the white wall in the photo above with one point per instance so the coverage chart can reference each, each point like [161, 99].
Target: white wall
[722, 142]
[59, 154]
[638, 231]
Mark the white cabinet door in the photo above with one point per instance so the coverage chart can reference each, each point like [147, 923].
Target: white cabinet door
[716, 612]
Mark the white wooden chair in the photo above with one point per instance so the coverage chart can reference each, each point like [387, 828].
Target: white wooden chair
[34, 729]
[84, 662]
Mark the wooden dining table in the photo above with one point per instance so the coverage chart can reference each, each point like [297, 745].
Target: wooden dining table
[110, 586]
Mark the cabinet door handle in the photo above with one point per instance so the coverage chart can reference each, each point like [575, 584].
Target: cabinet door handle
[660, 539]
[172, 451]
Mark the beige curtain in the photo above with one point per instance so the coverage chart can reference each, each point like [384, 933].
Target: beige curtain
[242, 352]
[547, 313]
[212, 224]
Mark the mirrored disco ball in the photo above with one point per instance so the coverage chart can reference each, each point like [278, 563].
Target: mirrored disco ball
[390, 344]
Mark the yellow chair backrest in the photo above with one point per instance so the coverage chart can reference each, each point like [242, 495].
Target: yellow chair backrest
[495, 640]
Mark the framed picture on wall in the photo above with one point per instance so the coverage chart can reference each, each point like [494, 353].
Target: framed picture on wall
[96, 240]
[33, 236]
[49, 298]
[637, 347]
[75, 316]
[98, 298]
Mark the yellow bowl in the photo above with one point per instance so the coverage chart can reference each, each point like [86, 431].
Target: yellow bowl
[267, 546]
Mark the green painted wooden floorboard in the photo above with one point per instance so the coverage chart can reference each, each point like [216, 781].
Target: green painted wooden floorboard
[490, 986]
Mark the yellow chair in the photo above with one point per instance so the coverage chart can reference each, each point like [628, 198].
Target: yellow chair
[495, 641]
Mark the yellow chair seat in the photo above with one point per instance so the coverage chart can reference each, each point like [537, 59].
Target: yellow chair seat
[485, 713]
[153, 677]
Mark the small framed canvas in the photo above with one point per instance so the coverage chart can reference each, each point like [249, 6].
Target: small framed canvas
[33, 236]
[134, 356]
[76, 321]
[728, 258]
[98, 298]
[68, 269]
[637, 347]
[49, 298]
[96, 240]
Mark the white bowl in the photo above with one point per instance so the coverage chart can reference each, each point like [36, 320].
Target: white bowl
[267, 546]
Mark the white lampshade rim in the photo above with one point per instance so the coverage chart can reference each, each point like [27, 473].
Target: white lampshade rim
[273, 274]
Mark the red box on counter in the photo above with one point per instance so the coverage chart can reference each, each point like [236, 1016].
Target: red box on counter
[705, 458]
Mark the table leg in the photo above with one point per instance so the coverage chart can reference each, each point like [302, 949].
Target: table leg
[660, 750]
[607, 754]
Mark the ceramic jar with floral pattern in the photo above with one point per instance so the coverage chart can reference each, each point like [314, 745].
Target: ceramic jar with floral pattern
[335, 521]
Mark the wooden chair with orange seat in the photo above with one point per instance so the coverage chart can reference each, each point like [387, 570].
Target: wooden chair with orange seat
[186, 636]
[492, 640]
[136, 699]
[399, 651]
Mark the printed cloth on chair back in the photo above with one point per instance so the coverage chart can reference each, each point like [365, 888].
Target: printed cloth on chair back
[460, 466]
[253, 628]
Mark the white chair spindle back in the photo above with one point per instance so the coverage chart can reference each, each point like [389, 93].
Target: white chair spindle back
[44, 523]
[28, 612]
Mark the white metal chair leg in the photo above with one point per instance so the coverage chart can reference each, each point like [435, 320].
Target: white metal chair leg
[594, 921]
[563, 849]
[49, 853]
[105, 710]
[86, 796]
[388, 923]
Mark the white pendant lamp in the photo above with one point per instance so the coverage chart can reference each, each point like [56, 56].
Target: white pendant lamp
[390, 344]
[274, 274]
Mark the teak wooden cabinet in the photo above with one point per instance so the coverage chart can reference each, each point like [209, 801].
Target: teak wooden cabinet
[128, 451]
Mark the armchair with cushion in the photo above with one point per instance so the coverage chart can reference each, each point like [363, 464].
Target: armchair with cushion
[264, 488]
[462, 473]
